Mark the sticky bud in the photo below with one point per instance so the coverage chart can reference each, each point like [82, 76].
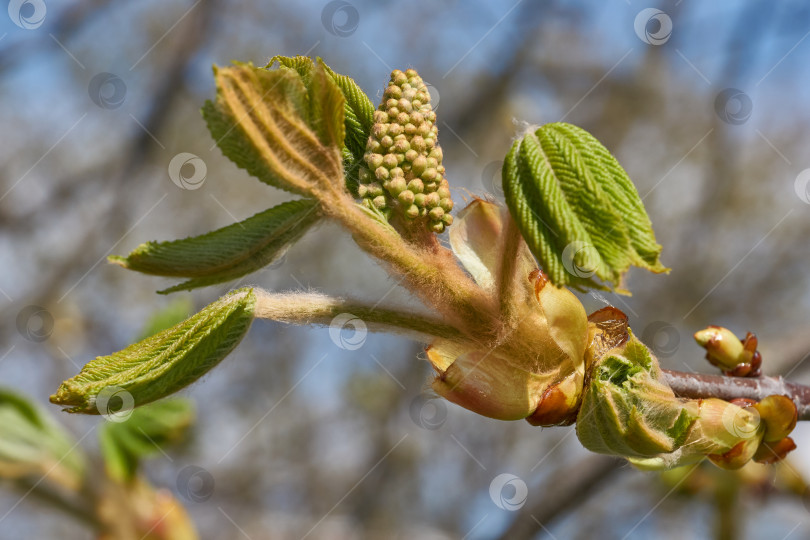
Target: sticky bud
[729, 353]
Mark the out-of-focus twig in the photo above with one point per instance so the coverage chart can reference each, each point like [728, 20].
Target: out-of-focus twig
[568, 488]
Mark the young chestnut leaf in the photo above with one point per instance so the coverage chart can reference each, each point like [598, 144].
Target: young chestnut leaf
[358, 113]
[576, 208]
[228, 253]
[166, 362]
[146, 431]
[270, 124]
[358, 109]
[33, 444]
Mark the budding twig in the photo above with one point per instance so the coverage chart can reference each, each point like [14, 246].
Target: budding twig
[699, 385]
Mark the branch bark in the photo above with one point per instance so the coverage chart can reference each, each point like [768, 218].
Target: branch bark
[699, 385]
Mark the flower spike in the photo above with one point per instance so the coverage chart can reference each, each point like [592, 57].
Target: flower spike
[404, 171]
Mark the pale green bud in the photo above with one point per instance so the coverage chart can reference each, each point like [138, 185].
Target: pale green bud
[406, 197]
[416, 185]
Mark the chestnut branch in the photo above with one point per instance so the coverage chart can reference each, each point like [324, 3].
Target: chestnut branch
[700, 385]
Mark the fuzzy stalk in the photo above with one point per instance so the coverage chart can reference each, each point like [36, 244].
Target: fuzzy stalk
[507, 278]
[431, 273]
[319, 309]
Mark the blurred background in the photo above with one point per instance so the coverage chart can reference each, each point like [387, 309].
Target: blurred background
[703, 103]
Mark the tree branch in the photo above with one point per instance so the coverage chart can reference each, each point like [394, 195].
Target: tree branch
[699, 385]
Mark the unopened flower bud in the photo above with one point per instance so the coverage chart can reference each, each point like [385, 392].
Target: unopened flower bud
[406, 198]
[418, 166]
[402, 143]
[389, 161]
[416, 185]
[397, 186]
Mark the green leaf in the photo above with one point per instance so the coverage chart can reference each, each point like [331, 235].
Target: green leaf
[359, 110]
[146, 432]
[227, 253]
[33, 444]
[326, 108]
[164, 363]
[265, 121]
[577, 209]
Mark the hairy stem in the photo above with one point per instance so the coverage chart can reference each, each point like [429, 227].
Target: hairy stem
[698, 385]
[508, 270]
[431, 273]
[312, 308]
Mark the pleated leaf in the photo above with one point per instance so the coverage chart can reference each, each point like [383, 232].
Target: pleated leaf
[358, 108]
[33, 445]
[577, 209]
[228, 253]
[268, 123]
[164, 363]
